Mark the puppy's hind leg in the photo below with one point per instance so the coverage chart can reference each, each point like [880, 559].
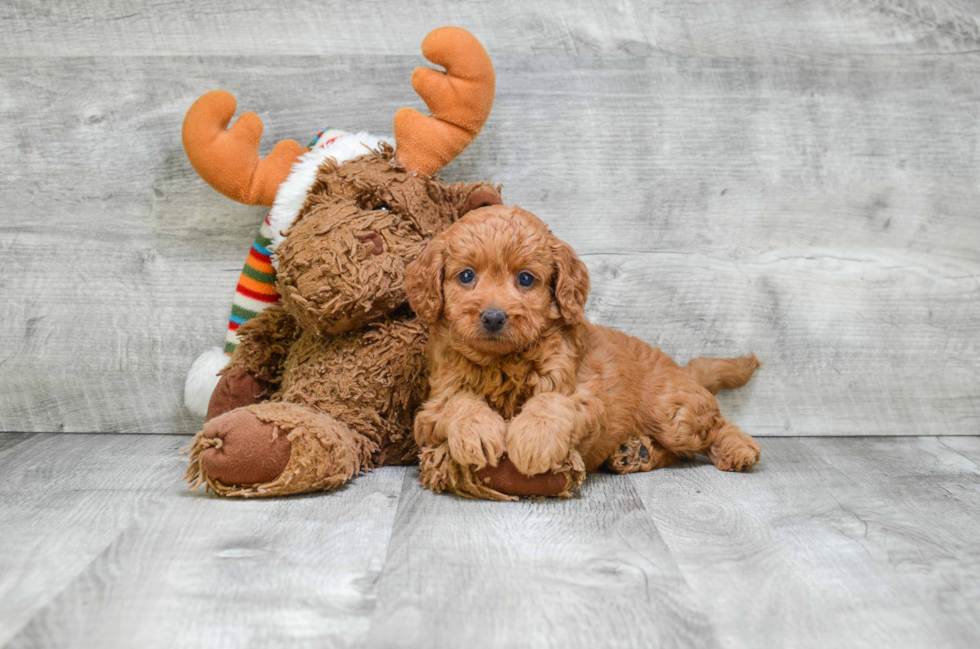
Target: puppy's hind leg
[731, 448]
[640, 453]
[686, 420]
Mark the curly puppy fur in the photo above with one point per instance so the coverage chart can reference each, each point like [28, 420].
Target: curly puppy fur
[341, 359]
[548, 388]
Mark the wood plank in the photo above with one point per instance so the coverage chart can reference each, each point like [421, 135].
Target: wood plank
[830, 542]
[968, 447]
[148, 255]
[798, 212]
[821, 213]
[194, 570]
[63, 501]
[587, 572]
[869, 344]
[10, 440]
[775, 29]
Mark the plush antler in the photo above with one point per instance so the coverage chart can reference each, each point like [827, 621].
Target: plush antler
[459, 100]
[228, 160]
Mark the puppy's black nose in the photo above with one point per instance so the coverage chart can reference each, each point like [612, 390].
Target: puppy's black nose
[493, 319]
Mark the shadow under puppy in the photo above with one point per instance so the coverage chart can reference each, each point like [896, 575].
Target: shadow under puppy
[521, 383]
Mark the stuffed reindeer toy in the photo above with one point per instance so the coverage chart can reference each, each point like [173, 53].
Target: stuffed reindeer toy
[327, 362]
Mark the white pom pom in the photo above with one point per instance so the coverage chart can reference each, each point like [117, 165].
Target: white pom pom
[202, 379]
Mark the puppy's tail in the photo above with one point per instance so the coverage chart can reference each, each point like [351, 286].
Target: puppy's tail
[718, 374]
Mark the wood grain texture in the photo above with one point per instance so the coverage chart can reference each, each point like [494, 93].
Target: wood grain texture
[9, 440]
[835, 542]
[63, 501]
[586, 572]
[798, 179]
[968, 447]
[187, 569]
[849, 542]
[767, 28]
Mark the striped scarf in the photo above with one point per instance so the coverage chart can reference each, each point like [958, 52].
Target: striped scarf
[256, 286]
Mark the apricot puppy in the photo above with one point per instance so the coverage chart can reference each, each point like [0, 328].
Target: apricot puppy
[519, 379]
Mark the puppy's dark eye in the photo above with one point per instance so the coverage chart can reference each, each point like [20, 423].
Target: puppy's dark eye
[525, 279]
[466, 276]
[383, 206]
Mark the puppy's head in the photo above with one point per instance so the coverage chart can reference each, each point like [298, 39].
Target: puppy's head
[498, 279]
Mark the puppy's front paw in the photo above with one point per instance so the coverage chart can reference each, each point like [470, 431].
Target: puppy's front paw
[540, 438]
[477, 440]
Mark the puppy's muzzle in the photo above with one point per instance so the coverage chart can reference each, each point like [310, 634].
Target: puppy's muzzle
[493, 320]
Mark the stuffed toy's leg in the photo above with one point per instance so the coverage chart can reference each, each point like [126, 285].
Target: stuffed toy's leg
[275, 449]
[439, 472]
[236, 389]
[561, 483]
[254, 370]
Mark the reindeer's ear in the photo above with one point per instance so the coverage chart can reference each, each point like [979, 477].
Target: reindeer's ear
[470, 196]
[570, 283]
[423, 282]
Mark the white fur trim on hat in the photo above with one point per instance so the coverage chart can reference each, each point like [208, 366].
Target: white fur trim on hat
[292, 192]
[202, 380]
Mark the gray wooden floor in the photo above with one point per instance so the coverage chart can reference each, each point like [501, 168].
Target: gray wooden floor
[830, 542]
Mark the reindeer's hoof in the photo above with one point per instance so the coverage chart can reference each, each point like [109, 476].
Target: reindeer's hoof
[236, 388]
[245, 451]
[506, 479]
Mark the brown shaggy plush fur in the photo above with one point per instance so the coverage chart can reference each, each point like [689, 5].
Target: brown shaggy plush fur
[341, 359]
[552, 391]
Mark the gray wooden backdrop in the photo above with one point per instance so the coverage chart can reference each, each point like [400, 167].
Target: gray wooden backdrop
[794, 177]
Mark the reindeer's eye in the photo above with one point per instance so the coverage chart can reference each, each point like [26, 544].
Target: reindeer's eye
[466, 276]
[525, 279]
[383, 206]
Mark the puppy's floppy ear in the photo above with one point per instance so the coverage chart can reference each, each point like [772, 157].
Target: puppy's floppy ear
[423, 282]
[570, 283]
[470, 196]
